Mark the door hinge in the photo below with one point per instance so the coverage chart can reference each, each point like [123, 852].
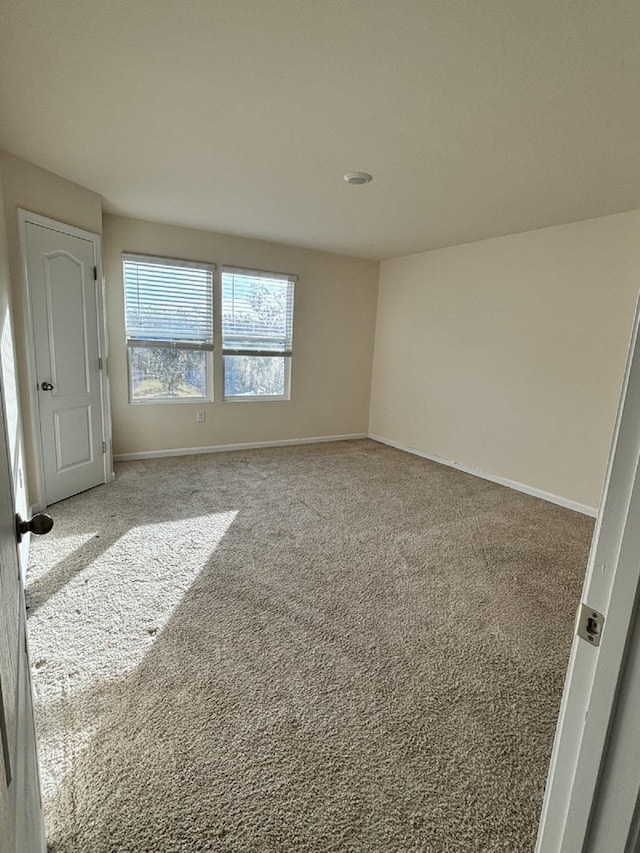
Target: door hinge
[104, 446]
[590, 624]
[100, 362]
[95, 273]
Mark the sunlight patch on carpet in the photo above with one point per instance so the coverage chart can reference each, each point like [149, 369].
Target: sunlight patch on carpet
[66, 547]
[100, 624]
[117, 606]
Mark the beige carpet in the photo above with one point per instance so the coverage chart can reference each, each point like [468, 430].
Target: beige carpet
[336, 647]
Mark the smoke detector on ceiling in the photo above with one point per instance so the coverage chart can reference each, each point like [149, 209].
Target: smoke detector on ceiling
[358, 178]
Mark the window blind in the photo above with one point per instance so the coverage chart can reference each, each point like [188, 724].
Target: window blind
[168, 303]
[257, 312]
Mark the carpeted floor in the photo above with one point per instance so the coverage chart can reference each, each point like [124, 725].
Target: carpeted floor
[334, 647]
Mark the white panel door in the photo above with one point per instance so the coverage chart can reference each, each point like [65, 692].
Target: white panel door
[64, 298]
[21, 826]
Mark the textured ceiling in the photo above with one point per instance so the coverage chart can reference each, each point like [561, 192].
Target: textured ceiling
[477, 119]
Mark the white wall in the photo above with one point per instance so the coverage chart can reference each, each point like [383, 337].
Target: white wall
[507, 355]
[334, 321]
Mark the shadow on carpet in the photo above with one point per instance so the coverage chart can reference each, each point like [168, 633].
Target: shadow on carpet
[324, 648]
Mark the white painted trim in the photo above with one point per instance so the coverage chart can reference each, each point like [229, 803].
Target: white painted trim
[221, 448]
[493, 478]
[27, 217]
[105, 373]
[103, 343]
[36, 493]
[175, 262]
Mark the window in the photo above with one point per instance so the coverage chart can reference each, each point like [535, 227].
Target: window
[169, 324]
[257, 334]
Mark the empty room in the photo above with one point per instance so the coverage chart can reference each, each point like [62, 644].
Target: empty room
[321, 418]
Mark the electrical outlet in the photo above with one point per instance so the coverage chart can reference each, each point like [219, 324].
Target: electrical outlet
[200, 416]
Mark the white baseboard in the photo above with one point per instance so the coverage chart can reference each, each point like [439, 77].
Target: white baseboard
[222, 448]
[494, 478]
[290, 442]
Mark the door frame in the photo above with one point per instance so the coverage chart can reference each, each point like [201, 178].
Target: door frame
[25, 217]
[598, 676]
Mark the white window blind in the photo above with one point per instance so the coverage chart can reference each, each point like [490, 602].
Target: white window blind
[168, 303]
[257, 312]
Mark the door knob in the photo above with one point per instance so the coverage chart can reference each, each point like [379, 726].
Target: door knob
[40, 523]
[47, 386]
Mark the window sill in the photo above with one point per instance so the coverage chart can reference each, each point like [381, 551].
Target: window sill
[250, 398]
[171, 400]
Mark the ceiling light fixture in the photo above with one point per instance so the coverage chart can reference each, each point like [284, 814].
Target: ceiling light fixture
[358, 178]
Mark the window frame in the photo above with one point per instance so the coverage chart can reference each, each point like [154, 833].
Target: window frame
[227, 352]
[130, 343]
